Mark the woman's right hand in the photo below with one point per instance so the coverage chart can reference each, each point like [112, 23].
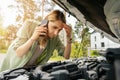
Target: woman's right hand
[39, 31]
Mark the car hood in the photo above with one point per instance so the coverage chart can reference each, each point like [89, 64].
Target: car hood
[90, 12]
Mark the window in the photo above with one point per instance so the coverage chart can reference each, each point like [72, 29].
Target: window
[95, 46]
[102, 36]
[95, 38]
[102, 44]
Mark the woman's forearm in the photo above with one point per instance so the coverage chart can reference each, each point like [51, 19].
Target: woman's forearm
[20, 51]
[67, 51]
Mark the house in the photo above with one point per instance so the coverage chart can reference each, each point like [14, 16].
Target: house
[100, 42]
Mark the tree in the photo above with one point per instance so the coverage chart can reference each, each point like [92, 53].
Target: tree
[28, 8]
[2, 33]
[85, 42]
[10, 34]
[81, 32]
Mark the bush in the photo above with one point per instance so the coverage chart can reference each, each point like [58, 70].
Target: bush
[75, 50]
[56, 57]
[94, 53]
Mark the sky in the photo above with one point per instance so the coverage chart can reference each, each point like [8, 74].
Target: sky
[9, 14]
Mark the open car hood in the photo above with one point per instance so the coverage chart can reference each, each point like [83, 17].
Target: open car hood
[90, 12]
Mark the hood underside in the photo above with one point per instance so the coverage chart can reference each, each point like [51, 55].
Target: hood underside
[90, 11]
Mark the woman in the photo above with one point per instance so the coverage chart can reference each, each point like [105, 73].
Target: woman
[35, 43]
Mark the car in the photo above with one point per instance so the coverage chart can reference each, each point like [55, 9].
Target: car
[106, 67]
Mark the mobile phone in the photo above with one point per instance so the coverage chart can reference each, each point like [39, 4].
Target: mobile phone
[44, 22]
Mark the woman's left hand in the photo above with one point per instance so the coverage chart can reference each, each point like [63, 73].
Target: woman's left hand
[68, 30]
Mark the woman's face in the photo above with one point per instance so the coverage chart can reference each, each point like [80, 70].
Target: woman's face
[54, 27]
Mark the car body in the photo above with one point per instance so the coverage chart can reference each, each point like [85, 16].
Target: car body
[90, 12]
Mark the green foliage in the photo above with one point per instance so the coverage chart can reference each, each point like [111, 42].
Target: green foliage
[81, 32]
[94, 53]
[56, 57]
[2, 32]
[3, 51]
[75, 53]
[3, 46]
[7, 36]
[55, 54]
[2, 39]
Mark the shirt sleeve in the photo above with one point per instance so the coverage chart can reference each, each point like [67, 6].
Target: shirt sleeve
[23, 34]
[60, 47]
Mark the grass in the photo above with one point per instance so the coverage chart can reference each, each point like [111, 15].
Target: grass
[58, 58]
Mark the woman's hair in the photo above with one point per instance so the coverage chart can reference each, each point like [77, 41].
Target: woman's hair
[53, 16]
[56, 15]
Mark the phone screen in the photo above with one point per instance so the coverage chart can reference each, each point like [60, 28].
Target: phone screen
[44, 22]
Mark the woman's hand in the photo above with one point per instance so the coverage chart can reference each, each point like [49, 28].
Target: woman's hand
[39, 31]
[68, 30]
